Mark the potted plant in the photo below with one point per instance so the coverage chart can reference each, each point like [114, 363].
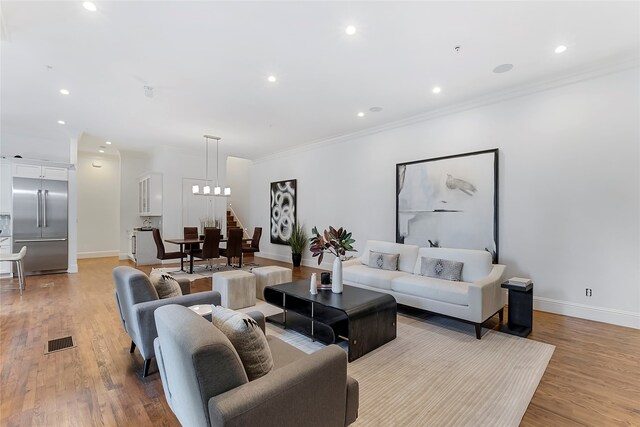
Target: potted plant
[337, 242]
[298, 243]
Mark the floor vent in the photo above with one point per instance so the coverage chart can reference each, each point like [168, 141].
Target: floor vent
[59, 344]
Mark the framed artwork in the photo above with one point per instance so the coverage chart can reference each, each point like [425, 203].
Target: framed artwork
[450, 202]
[282, 210]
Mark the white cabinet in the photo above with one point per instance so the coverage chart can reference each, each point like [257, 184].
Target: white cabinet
[5, 249]
[21, 170]
[150, 195]
[6, 182]
[143, 248]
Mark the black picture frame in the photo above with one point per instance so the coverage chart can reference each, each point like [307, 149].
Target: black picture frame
[282, 210]
[450, 201]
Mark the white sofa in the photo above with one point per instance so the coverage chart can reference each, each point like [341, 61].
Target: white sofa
[475, 299]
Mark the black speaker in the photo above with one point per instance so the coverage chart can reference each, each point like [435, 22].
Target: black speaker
[325, 278]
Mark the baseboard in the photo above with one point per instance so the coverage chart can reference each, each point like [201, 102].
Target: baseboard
[589, 312]
[97, 254]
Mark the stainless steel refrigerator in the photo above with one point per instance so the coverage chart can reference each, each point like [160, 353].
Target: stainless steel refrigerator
[40, 212]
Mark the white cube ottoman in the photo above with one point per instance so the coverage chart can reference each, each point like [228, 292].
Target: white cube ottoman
[237, 288]
[271, 275]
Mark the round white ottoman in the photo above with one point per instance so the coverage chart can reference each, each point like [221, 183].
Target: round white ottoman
[237, 288]
[271, 275]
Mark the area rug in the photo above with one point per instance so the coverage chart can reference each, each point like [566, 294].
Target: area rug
[436, 375]
[199, 271]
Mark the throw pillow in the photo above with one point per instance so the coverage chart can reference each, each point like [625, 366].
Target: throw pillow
[383, 261]
[247, 338]
[166, 285]
[441, 269]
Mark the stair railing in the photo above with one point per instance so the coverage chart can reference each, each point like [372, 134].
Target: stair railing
[245, 235]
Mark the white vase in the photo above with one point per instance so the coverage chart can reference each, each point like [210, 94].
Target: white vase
[336, 279]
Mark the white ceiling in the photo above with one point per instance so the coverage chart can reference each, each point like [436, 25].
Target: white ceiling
[208, 63]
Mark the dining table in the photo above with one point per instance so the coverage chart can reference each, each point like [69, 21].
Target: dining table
[182, 242]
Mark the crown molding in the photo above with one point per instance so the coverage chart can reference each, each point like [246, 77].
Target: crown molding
[575, 75]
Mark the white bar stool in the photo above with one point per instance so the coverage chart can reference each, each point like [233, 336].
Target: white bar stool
[18, 260]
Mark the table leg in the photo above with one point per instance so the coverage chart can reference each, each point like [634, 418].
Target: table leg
[191, 262]
[181, 259]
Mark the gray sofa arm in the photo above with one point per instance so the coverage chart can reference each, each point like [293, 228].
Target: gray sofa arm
[310, 392]
[486, 294]
[258, 316]
[145, 327]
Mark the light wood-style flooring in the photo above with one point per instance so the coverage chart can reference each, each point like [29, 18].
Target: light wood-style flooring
[593, 378]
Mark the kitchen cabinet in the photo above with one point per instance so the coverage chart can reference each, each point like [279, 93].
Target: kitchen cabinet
[5, 249]
[21, 170]
[142, 248]
[5, 187]
[150, 195]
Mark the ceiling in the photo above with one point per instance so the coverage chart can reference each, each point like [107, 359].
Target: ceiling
[208, 64]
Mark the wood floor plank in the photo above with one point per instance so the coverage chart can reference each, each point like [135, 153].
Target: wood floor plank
[593, 378]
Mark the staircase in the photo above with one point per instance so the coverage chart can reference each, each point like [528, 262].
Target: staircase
[231, 221]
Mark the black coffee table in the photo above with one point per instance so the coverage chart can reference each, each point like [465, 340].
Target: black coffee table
[364, 318]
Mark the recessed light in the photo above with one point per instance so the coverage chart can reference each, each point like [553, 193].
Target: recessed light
[101, 151]
[360, 114]
[60, 122]
[64, 91]
[436, 89]
[503, 68]
[272, 79]
[561, 48]
[108, 142]
[89, 6]
[350, 30]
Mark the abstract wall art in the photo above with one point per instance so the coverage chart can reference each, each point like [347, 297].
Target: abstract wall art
[282, 210]
[449, 202]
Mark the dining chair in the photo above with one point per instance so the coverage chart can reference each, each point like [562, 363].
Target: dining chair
[161, 254]
[191, 233]
[234, 247]
[211, 246]
[254, 246]
[17, 258]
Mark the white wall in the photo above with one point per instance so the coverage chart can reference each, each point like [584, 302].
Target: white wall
[132, 166]
[239, 179]
[176, 164]
[18, 142]
[569, 188]
[98, 206]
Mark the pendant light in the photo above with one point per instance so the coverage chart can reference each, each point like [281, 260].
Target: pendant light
[206, 189]
[217, 190]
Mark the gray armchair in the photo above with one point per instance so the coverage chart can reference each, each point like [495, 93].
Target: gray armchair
[137, 299]
[205, 383]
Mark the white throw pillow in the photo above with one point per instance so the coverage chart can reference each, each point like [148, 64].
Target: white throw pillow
[383, 261]
[247, 338]
[166, 285]
[442, 269]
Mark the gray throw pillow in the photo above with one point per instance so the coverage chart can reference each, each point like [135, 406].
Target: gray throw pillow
[166, 285]
[383, 261]
[247, 338]
[441, 269]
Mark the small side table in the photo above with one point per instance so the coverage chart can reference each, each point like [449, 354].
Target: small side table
[203, 310]
[520, 309]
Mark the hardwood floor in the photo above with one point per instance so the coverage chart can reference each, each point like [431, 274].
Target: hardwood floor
[593, 377]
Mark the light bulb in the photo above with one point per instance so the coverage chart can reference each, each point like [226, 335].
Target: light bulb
[195, 189]
[216, 191]
[206, 189]
[227, 191]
